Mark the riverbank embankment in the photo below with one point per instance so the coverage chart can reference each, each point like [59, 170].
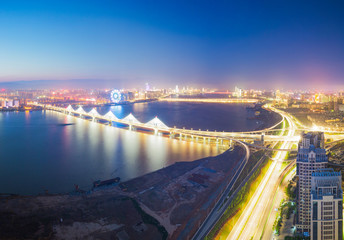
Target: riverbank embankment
[156, 205]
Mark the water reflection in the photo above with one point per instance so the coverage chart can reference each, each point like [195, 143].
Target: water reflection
[117, 110]
[212, 116]
[131, 143]
[38, 152]
[156, 152]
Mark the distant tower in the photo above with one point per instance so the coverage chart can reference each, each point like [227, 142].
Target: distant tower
[177, 89]
[238, 92]
[335, 105]
[147, 87]
[326, 205]
[311, 156]
[278, 94]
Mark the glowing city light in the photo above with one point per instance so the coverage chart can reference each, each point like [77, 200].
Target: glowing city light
[116, 96]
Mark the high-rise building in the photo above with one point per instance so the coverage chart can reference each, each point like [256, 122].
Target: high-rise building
[326, 205]
[238, 92]
[16, 103]
[278, 94]
[311, 156]
[9, 103]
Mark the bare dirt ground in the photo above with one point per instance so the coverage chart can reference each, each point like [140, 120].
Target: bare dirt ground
[169, 203]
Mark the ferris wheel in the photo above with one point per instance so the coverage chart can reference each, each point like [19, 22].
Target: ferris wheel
[116, 96]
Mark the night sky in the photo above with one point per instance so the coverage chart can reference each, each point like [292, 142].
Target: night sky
[257, 44]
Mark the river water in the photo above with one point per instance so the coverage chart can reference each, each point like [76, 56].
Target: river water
[38, 152]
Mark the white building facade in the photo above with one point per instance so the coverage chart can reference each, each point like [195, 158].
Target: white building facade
[326, 205]
[311, 156]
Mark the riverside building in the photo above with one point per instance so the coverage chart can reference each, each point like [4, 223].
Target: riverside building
[311, 156]
[326, 205]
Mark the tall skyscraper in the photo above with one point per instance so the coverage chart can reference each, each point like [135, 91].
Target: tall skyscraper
[326, 205]
[238, 92]
[311, 156]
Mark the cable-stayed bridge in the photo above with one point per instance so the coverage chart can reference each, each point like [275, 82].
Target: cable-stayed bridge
[157, 126]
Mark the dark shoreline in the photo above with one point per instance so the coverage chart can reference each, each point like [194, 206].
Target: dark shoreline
[185, 189]
[268, 118]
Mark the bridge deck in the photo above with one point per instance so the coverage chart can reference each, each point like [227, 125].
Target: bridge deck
[157, 125]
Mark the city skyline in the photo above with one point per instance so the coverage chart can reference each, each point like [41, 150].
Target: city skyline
[266, 45]
[171, 119]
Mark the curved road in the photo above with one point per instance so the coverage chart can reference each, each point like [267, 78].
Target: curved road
[251, 223]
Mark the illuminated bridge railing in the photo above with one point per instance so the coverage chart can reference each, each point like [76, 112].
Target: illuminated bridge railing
[130, 120]
[158, 126]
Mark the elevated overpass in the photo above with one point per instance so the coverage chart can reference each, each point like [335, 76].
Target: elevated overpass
[157, 126]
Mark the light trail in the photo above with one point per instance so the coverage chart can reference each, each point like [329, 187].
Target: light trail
[251, 222]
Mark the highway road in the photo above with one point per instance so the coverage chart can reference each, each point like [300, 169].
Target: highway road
[278, 197]
[251, 223]
[221, 206]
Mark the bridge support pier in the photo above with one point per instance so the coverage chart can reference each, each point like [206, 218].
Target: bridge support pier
[130, 127]
[156, 131]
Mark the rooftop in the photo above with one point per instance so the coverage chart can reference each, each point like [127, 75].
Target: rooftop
[325, 172]
[311, 134]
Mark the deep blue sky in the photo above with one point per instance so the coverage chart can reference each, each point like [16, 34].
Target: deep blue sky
[265, 44]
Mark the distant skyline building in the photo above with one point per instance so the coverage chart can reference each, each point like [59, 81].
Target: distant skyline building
[311, 156]
[278, 94]
[16, 103]
[326, 205]
[238, 92]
